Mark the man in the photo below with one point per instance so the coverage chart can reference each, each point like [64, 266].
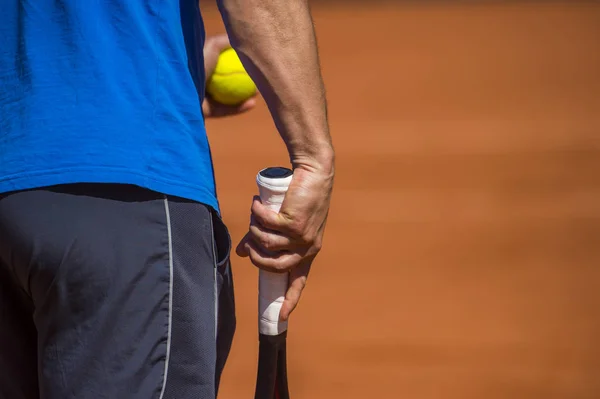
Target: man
[114, 274]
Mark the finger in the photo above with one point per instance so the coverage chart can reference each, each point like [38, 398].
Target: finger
[266, 217]
[240, 250]
[226, 110]
[213, 109]
[247, 105]
[221, 42]
[279, 262]
[269, 240]
[213, 47]
[206, 108]
[298, 278]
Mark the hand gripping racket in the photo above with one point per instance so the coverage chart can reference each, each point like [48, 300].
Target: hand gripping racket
[271, 380]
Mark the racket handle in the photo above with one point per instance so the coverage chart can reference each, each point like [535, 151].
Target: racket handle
[272, 186]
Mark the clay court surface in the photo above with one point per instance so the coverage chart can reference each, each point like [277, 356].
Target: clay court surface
[462, 256]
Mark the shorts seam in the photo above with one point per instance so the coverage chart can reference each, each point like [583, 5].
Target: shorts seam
[170, 316]
[215, 262]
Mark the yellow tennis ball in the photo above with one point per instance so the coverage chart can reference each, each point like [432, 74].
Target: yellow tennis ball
[230, 84]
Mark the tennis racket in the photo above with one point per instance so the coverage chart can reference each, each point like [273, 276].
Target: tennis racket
[271, 380]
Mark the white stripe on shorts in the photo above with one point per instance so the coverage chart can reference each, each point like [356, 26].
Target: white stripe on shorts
[168, 355]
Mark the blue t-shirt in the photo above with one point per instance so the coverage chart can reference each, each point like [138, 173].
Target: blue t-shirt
[104, 91]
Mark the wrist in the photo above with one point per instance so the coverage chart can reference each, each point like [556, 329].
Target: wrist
[319, 158]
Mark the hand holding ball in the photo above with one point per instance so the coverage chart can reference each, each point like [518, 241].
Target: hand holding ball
[230, 84]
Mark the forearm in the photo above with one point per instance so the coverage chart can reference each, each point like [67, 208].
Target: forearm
[276, 42]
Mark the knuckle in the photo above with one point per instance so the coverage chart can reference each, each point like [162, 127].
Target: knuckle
[274, 267]
[266, 242]
[261, 264]
[282, 265]
[266, 264]
[280, 268]
[296, 227]
[253, 258]
[302, 281]
[300, 234]
[318, 245]
[259, 220]
[308, 239]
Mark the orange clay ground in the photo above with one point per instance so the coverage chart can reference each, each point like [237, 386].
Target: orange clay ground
[462, 256]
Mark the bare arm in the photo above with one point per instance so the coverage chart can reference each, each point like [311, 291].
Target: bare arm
[276, 42]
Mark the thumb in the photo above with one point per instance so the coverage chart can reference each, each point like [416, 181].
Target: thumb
[298, 278]
[265, 216]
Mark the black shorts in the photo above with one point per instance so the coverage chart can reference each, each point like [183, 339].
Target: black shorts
[112, 291]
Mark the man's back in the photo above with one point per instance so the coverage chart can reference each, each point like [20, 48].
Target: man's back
[122, 291]
[104, 91]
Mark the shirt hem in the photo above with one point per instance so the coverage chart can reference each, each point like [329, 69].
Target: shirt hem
[34, 180]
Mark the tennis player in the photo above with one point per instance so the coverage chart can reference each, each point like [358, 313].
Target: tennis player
[114, 262]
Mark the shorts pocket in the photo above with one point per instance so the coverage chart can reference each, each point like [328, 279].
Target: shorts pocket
[221, 240]
[225, 306]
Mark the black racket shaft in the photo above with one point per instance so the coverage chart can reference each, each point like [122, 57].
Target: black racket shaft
[272, 381]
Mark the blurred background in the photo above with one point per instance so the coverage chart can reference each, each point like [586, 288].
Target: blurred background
[462, 255]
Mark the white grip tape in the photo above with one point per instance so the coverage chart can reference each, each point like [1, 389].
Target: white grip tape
[271, 286]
